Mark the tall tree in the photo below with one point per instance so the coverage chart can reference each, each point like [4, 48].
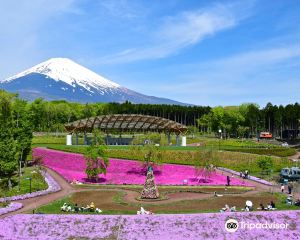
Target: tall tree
[8, 146]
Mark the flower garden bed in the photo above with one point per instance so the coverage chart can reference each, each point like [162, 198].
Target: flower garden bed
[165, 226]
[14, 206]
[53, 186]
[72, 167]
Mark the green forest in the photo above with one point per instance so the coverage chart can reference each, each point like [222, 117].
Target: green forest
[246, 120]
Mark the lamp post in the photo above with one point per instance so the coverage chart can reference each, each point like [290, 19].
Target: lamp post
[220, 132]
[29, 178]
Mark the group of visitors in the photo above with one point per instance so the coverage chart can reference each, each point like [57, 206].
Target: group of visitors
[248, 206]
[228, 209]
[244, 174]
[270, 206]
[290, 201]
[290, 188]
[89, 208]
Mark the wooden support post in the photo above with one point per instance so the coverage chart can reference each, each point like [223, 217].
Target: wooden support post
[84, 139]
[169, 138]
[76, 139]
[177, 140]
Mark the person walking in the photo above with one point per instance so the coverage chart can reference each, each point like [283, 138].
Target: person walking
[228, 181]
[290, 188]
[282, 188]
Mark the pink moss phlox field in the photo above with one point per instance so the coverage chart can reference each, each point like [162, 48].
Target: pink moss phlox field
[72, 167]
[165, 226]
[14, 206]
[53, 186]
[253, 178]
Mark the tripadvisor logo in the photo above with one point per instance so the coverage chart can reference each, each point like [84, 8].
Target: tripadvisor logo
[231, 225]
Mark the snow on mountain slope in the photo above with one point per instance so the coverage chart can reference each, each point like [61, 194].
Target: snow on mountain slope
[63, 79]
[64, 69]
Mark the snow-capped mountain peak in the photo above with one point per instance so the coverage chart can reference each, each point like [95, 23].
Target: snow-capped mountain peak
[66, 70]
[63, 79]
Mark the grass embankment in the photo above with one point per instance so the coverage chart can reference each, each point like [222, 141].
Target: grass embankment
[38, 183]
[236, 145]
[113, 202]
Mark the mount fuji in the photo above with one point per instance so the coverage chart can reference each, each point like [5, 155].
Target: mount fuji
[63, 79]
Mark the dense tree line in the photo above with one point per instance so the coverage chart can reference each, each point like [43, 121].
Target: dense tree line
[249, 120]
[244, 120]
[51, 116]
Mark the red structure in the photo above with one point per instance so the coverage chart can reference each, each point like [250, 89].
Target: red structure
[266, 135]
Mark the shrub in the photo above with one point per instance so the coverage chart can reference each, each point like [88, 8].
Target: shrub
[265, 163]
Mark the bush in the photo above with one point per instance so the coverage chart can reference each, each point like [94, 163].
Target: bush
[265, 163]
[279, 152]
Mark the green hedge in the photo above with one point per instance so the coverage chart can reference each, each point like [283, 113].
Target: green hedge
[279, 152]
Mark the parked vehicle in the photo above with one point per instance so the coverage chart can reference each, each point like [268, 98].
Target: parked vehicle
[292, 174]
[265, 135]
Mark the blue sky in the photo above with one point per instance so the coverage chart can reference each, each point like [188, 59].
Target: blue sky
[200, 52]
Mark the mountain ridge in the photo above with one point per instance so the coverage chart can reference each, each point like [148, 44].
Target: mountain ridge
[64, 79]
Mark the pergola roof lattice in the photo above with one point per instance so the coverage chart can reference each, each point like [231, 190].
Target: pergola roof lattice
[126, 122]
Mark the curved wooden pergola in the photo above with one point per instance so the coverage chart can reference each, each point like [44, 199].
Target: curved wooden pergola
[126, 123]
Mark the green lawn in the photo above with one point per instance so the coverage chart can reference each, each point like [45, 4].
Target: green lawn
[114, 204]
[38, 183]
[237, 145]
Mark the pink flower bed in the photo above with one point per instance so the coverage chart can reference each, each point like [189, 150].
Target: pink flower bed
[154, 227]
[72, 167]
[14, 206]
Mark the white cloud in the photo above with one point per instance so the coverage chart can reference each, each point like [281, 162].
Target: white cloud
[120, 8]
[254, 76]
[183, 30]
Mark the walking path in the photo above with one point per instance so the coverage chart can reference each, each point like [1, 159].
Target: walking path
[296, 156]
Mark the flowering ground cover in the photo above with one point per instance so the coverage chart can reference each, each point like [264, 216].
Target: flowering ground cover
[166, 226]
[11, 207]
[53, 186]
[72, 167]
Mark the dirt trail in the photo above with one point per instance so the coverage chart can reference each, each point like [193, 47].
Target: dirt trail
[296, 156]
